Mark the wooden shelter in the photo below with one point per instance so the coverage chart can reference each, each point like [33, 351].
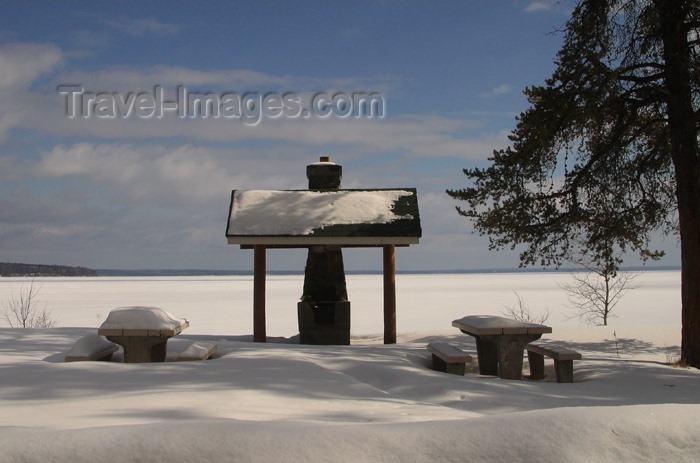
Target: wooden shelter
[270, 219]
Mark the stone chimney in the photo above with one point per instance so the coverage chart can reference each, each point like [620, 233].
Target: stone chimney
[324, 312]
[324, 175]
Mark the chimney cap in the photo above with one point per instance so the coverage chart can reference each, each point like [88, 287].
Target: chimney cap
[323, 160]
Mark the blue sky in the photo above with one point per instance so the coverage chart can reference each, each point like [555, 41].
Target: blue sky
[137, 192]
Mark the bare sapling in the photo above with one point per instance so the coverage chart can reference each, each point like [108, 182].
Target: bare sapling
[22, 311]
[593, 296]
[520, 311]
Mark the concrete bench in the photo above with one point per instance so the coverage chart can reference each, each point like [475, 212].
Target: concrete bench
[563, 361]
[197, 351]
[448, 358]
[91, 347]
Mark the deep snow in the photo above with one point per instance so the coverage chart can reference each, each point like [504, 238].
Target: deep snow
[280, 401]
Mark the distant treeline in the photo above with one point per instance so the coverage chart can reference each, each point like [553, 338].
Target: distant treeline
[24, 270]
[209, 272]
[104, 272]
[8, 269]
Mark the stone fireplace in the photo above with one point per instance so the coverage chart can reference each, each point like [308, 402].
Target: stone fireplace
[324, 309]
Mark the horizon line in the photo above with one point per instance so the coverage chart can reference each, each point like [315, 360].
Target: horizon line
[223, 272]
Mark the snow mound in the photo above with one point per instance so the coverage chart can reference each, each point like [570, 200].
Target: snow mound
[197, 351]
[141, 318]
[573, 435]
[89, 345]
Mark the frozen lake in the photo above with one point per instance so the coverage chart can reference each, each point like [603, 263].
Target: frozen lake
[425, 302]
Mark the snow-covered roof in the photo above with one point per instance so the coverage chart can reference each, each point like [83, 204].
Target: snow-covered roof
[307, 217]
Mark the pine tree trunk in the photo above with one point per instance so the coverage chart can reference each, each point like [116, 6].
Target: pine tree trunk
[684, 151]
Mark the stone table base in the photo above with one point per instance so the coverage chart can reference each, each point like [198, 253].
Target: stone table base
[142, 349]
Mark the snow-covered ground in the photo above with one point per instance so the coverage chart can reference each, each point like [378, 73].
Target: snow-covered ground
[367, 402]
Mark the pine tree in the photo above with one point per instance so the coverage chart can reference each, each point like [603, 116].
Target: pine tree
[607, 153]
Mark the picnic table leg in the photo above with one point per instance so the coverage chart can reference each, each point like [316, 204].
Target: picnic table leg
[510, 353]
[159, 351]
[142, 349]
[487, 354]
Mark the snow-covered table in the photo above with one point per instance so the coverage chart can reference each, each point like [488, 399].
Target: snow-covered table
[500, 342]
[143, 332]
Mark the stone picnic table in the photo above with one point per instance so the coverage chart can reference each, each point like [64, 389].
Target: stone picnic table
[143, 332]
[500, 342]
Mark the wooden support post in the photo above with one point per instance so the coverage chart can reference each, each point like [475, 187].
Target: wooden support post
[259, 276]
[389, 294]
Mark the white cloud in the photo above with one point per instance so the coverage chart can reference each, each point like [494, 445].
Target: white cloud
[423, 135]
[181, 175]
[22, 64]
[127, 79]
[538, 6]
[500, 90]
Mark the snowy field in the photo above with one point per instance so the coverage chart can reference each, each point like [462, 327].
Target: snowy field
[362, 403]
